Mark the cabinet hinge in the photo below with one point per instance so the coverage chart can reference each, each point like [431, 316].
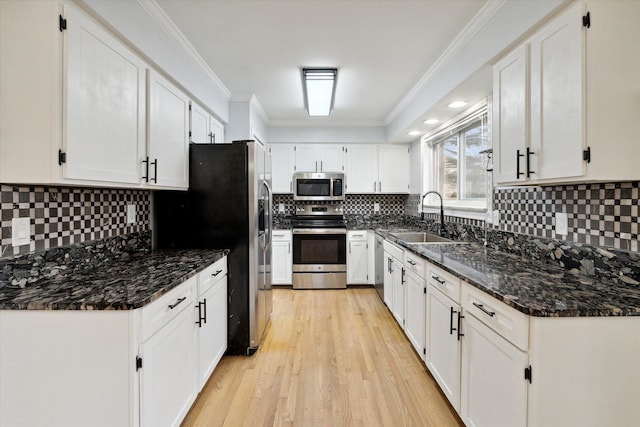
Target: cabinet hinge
[528, 373]
[424, 290]
[346, 149]
[62, 157]
[189, 134]
[189, 107]
[62, 23]
[424, 351]
[586, 155]
[586, 20]
[138, 363]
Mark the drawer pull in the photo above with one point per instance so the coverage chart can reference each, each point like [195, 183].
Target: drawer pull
[439, 280]
[411, 262]
[484, 310]
[177, 303]
[216, 273]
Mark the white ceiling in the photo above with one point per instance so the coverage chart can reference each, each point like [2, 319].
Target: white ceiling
[382, 49]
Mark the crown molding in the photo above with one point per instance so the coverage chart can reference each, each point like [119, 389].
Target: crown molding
[158, 14]
[489, 9]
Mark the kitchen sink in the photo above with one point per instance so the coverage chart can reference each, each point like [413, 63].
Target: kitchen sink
[421, 237]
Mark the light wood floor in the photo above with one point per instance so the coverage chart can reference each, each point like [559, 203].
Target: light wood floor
[329, 358]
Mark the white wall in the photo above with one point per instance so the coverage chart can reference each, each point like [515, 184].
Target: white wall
[328, 134]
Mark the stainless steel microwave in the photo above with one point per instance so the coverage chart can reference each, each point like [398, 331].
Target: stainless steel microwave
[323, 186]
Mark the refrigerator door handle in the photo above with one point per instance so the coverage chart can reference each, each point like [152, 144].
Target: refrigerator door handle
[267, 219]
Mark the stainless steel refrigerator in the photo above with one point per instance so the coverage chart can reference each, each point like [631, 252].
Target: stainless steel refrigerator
[228, 206]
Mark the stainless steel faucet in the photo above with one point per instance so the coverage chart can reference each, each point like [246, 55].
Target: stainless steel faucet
[441, 210]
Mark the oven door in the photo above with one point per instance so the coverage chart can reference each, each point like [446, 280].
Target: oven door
[319, 258]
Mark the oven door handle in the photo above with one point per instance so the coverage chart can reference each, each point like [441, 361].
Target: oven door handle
[319, 231]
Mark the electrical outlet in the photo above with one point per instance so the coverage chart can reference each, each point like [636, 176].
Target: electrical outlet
[496, 217]
[281, 208]
[376, 207]
[131, 214]
[20, 231]
[562, 223]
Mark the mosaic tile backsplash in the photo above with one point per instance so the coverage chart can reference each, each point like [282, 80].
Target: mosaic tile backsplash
[390, 204]
[62, 216]
[603, 215]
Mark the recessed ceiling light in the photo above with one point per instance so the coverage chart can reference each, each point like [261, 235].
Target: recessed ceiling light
[414, 132]
[431, 121]
[457, 104]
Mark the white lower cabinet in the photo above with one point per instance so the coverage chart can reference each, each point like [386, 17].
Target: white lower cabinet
[416, 300]
[281, 258]
[357, 257]
[211, 319]
[494, 393]
[140, 367]
[444, 348]
[394, 281]
[167, 376]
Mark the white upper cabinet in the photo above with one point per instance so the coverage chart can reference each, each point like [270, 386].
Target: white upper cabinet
[377, 168]
[283, 165]
[563, 110]
[510, 114]
[361, 172]
[394, 168]
[167, 159]
[204, 128]
[319, 158]
[105, 104]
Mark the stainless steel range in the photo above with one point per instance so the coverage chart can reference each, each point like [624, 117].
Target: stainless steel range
[319, 247]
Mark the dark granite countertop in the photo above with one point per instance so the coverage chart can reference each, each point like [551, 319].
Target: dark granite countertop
[123, 284]
[528, 286]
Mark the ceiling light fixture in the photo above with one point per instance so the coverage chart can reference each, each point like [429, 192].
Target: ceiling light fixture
[319, 87]
[414, 133]
[431, 121]
[457, 104]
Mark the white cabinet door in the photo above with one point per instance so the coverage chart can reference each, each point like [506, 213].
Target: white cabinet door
[200, 126]
[331, 158]
[167, 377]
[494, 391]
[105, 104]
[398, 278]
[444, 345]
[168, 139]
[361, 169]
[319, 158]
[415, 311]
[394, 164]
[216, 131]
[510, 131]
[211, 315]
[357, 257]
[281, 258]
[388, 281]
[557, 87]
[283, 165]
[306, 159]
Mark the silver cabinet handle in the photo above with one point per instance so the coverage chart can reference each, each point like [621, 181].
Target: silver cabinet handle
[374, 186]
[380, 186]
[316, 166]
[321, 168]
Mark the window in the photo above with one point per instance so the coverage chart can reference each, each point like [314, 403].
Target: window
[455, 163]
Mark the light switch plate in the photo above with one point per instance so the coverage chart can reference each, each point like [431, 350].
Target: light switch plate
[20, 231]
[131, 214]
[562, 223]
[376, 207]
[496, 217]
[280, 207]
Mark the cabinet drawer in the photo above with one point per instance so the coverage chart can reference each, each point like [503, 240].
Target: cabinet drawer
[393, 250]
[444, 281]
[357, 235]
[506, 321]
[211, 275]
[160, 312]
[415, 263]
[281, 235]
